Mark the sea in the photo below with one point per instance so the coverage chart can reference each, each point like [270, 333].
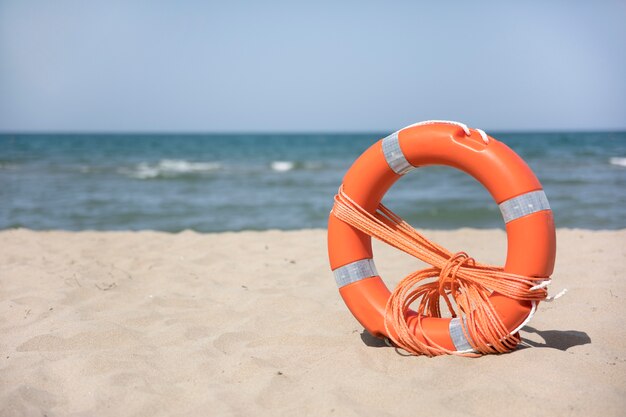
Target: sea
[232, 182]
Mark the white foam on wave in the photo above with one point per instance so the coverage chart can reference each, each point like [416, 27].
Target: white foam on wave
[282, 166]
[169, 168]
[620, 162]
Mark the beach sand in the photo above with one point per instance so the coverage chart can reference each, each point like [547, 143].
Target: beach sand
[251, 323]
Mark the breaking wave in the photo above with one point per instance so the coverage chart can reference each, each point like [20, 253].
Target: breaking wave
[620, 162]
[282, 166]
[169, 168]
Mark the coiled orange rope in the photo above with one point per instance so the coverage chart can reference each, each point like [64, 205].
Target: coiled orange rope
[458, 277]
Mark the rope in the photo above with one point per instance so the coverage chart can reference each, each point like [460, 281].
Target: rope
[463, 126]
[459, 280]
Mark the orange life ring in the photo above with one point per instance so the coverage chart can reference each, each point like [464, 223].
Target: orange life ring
[529, 223]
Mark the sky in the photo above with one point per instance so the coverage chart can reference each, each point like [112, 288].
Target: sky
[202, 66]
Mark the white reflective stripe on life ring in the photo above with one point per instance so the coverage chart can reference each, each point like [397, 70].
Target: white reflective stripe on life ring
[523, 205]
[355, 271]
[394, 156]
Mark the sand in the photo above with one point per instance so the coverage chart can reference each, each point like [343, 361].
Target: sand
[188, 324]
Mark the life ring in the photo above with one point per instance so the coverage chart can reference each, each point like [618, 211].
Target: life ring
[531, 239]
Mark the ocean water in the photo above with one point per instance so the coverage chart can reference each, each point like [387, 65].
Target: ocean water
[213, 182]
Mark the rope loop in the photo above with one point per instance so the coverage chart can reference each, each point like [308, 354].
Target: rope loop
[464, 284]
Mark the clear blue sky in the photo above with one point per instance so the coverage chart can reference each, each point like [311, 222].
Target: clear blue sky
[310, 66]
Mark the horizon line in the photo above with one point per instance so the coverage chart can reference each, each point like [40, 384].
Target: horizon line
[278, 132]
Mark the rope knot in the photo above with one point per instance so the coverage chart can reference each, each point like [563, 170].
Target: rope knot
[449, 270]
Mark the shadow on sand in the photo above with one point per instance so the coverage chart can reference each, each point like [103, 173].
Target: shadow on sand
[372, 341]
[554, 339]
